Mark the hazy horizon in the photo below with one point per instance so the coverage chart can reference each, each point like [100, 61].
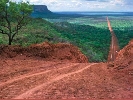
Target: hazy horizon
[98, 11]
[85, 5]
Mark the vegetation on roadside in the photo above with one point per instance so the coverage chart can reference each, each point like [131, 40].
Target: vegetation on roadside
[123, 28]
[93, 41]
[13, 16]
[90, 41]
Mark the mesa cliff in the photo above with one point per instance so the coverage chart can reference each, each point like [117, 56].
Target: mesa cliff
[41, 9]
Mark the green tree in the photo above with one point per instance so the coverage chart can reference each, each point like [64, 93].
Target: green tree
[13, 16]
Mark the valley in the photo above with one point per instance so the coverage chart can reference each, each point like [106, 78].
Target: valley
[69, 57]
[89, 33]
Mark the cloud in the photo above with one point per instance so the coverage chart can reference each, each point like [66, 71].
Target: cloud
[128, 2]
[117, 2]
[98, 0]
[85, 5]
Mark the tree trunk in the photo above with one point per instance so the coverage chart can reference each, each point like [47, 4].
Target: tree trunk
[10, 40]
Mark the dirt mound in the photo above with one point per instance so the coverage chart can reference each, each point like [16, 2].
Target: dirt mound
[46, 51]
[7, 51]
[125, 57]
[30, 73]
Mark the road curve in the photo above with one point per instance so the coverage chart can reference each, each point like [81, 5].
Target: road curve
[31, 75]
[114, 47]
[32, 91]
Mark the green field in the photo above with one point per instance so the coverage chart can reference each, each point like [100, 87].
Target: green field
[89, 33]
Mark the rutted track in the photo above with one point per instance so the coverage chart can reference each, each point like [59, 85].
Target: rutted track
[31, 75]
[33, 78]
[17, 86]
[30, 92]
[61, 80]
[114, 47]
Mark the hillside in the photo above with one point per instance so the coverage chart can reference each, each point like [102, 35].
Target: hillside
[28, 76]
[64, 57]
[41, 11]
[125, 57]
[92, 41]
[46, 51]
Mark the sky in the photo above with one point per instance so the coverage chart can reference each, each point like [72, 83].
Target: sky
[84, 5]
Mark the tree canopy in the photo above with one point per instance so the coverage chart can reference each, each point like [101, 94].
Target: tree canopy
[13, 16]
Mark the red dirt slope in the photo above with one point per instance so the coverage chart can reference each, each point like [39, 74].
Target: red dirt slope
[27, 74]
[47, 51]
[125, 57]
[114, 47]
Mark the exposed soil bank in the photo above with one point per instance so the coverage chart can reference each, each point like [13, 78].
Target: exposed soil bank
[49, 52]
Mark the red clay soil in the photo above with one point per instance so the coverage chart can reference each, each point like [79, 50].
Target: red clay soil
[125, 57]
[46, 51]
[25, 73]
[114, 47]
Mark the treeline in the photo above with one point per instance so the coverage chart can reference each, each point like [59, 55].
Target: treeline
[93, 42]
[36, 31]
[124, 36]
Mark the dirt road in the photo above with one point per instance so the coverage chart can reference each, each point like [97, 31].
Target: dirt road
[32, 91]
[39, 79]
[24, 77]
[34, 78]
[114, 47]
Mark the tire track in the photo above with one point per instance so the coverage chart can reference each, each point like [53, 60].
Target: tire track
[18, 87]
[22, 77]
[32, 91]
[28, 76]
[13, 74]
[114, 47]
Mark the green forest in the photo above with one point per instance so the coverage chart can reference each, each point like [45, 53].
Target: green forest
[93, 41]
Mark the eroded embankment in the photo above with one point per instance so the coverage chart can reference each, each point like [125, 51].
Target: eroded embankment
[46, 51]
[25, 74]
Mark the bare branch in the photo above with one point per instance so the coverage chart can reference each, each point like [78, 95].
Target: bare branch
[13, 17]
[18, 28]
[5, 26]
[2, 31]
[8, 22]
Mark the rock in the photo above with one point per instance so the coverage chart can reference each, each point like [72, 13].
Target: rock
[41, 9]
